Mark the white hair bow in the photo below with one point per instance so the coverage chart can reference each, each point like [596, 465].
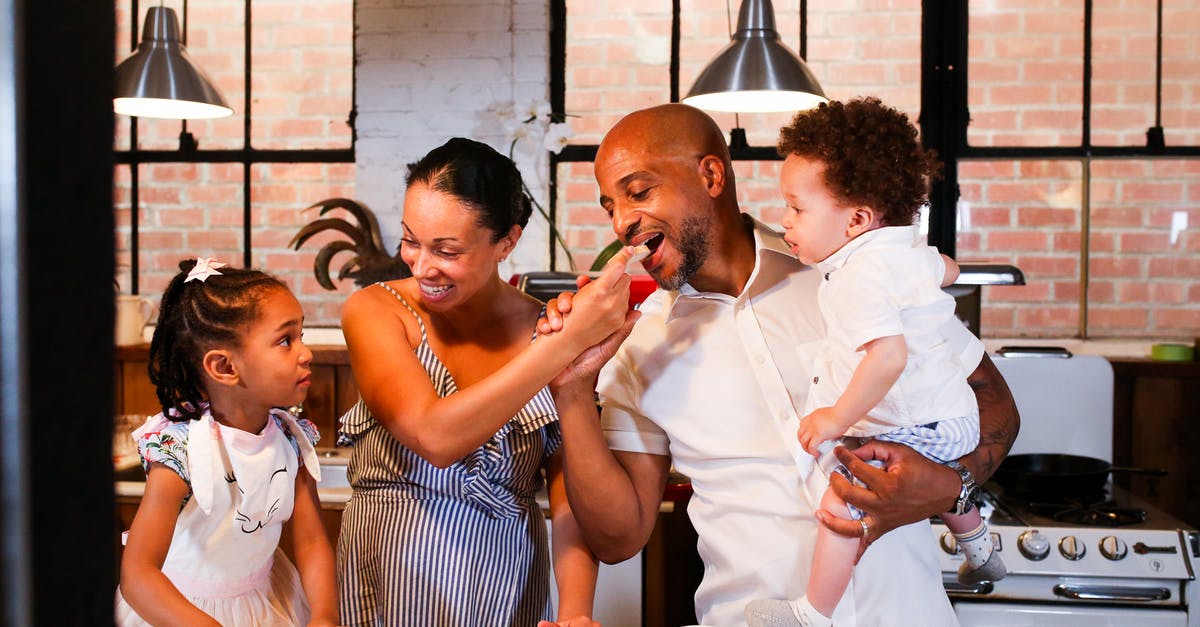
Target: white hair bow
[205, 267]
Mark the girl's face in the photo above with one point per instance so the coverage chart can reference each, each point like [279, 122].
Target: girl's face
[817, 223]
[275, 364]
[450, 254]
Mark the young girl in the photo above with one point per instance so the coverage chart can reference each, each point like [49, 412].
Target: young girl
[854, 178]
[224, 463]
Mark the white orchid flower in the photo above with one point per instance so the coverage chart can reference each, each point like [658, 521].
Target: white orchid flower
[558, 135]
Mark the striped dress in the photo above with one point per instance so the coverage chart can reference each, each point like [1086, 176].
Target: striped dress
[464, 545]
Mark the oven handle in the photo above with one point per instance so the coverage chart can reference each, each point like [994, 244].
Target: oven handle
[1111, 593]
[983, 587]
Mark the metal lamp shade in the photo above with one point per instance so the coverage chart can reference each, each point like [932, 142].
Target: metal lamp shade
[756, 72]
[160, 80]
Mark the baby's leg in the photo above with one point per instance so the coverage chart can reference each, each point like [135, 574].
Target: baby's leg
[983, 562]
[833, 560]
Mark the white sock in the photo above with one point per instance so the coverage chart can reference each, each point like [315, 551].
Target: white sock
[976, 545]
[808, 615]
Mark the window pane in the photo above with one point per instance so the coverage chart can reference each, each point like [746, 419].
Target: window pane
[121, 216]
[1024, 213]
[215, 42]
[618, 60]
[1123, 92]
[1026, 73]
[280, 195]
[1144, 262]
[1181, 72]
[184, 210]
[584, 224]
[302, 62]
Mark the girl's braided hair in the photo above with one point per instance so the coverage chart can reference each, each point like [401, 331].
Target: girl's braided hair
[194, 317]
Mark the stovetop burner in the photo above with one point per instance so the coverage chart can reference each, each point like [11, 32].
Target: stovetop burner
[1095, 512]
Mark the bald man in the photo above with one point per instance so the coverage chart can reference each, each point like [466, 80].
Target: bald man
[713, 379]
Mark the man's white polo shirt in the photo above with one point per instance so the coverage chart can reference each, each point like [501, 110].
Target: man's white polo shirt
[718, 383]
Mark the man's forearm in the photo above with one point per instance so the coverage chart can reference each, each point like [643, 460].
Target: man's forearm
[998, 420]
[616, 518]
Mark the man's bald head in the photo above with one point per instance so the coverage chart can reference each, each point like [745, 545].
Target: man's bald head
[670, 130]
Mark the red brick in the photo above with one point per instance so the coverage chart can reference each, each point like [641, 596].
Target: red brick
[1017, 241]
[1115, 318]
[1185, 321]
[1116, 267]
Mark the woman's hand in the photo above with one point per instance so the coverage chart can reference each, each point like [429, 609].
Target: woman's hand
[599, 308]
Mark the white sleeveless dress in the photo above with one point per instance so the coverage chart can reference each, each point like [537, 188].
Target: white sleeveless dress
[224, 554]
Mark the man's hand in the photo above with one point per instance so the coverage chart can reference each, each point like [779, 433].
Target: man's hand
[820, 425]
[576, 621]
[907, 489]
[587, 365]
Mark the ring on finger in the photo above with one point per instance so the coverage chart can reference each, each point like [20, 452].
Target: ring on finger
[866, 528]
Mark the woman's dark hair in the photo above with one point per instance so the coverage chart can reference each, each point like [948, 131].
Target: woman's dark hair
[194, 317]
[871, 154]
[480, 177]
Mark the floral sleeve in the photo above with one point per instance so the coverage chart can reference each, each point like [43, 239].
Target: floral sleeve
[167, 447]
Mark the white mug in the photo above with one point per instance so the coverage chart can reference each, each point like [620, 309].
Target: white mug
[133, 312]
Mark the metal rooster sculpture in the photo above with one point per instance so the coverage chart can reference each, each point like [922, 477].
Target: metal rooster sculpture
[370, 262]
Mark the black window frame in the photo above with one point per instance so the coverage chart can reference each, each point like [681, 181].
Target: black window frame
[943, 118]
[248, 156]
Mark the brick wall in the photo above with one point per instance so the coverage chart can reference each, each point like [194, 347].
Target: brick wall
[1026, 70]
[429, 70]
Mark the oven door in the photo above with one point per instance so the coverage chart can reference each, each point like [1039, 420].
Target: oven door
[1036, 615]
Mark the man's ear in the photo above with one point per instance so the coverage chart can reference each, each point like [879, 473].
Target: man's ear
[712, 170]
[861, 220]
[219, 367]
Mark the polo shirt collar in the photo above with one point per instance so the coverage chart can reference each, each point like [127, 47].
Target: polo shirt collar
[882, 237]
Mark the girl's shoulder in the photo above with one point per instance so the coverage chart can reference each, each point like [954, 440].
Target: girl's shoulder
[165, 442]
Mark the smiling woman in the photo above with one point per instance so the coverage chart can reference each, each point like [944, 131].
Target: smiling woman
[457, 424]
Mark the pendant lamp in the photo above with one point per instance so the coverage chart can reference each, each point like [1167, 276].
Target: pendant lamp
[756, 72]
[161, 81]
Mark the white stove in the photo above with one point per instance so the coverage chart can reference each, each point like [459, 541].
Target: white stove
[1113, 561]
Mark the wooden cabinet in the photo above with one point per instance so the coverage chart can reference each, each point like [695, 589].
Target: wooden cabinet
[1156, 424]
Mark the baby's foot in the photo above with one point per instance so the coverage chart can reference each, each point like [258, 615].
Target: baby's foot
[991, 570]
[776, 613]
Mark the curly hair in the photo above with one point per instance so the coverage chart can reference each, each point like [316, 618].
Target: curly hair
[194, 317]
[871, 154]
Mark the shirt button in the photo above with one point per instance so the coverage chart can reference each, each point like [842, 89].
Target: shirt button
[759, 359]
[815, 379]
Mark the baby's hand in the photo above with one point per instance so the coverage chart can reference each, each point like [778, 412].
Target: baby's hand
[817, 427]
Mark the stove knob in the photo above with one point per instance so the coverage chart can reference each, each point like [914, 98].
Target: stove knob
[1071, 548]
[1033, 545]
[948, 543]
[1113, 548]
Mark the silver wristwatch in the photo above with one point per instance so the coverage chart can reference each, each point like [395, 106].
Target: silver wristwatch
[966, 496]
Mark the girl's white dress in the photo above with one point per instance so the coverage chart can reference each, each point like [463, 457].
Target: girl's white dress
[224, 554]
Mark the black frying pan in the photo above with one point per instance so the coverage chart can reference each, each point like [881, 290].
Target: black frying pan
[1054, 477]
